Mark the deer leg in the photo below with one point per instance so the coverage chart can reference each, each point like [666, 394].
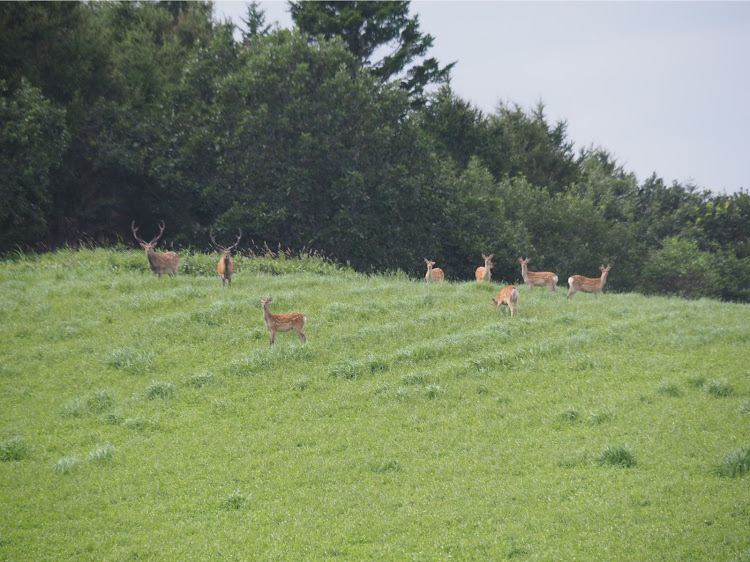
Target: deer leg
[273, 336]
[301, 336]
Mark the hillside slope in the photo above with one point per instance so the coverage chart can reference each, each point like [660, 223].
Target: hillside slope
[146, 418]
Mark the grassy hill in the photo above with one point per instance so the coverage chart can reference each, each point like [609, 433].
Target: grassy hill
[150, 419]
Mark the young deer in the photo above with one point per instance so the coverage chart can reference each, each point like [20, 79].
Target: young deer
[537, 278]
[226, 263]
[435, 275]
[283, 322]
[587, 284]
[508, 296]
[483, 273]
[166, 262]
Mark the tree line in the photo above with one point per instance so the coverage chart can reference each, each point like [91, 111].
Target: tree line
[121, 111]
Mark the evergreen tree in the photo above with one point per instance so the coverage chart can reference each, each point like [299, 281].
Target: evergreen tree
[367, 28]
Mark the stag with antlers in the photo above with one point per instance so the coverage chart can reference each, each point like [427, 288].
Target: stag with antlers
[165, 262]
[226, 263]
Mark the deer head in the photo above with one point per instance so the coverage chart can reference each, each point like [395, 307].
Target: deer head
[148, 246]
[226, 250]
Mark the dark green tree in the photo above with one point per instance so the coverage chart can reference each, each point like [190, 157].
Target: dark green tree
[369, 28]
[518, 143]
[33, 138]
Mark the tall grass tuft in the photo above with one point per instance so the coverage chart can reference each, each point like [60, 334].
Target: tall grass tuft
[65, 465]
[160, 390]
[735, 463]
[667, 388]
[102, 453]
[13, 449]
[236, 500]
[617, 455]
[130, 360]
[718, 388]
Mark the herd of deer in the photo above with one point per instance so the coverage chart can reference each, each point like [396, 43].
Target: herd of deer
[509, 295]
[167, 262]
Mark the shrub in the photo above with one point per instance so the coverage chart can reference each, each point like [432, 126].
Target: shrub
[617, 455]
[681, 268]
[735, 463]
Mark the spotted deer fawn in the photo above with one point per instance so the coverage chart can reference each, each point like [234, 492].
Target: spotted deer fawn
[483, 273]
[433, 275]
[508, 296]
[587, 284]
[226, 263]
[283, 322]
[166, 262]
[537, 278]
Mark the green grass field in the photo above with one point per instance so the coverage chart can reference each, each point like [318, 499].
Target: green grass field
[150, 419]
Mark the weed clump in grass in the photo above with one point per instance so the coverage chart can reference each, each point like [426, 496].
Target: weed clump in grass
[697, 381]
[236, 500]
[65, 465]
[668, 388]
[718, 388]
[434, 390]
[745, 408]
[617, 455]
[415, 378]
[201, 379]
[14, 449]
[130, 359]
[160, 390]
[735, 463]
[600, 417]
[570, 415]
[103, 453]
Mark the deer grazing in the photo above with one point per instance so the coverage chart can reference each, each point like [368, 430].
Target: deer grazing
[537, 278]
[509, 297]
[433, 275]
[483, 273]
[283, 322]
[587, 284]
[226, 263]
[166, 262]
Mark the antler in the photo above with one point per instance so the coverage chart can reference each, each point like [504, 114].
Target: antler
[232, 247]
[161, 231]
[135, 233]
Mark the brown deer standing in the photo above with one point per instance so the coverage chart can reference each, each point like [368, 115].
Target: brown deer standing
[537, 278]
[483, 273]
[166, 262]
[434, 275]
[283, 322]
[508, 296]
[587, 284]
[226, 263]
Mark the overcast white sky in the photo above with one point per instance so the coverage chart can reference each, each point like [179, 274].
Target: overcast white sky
[664, 86]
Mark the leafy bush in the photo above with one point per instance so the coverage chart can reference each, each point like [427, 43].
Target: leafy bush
[680, 268]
